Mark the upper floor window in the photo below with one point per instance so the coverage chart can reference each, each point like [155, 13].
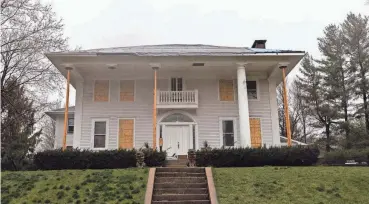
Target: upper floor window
[101, 91]
[252, 92]
[176, 84]
[127, 90]
[70, 125]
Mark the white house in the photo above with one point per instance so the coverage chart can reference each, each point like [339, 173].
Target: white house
[201, 96]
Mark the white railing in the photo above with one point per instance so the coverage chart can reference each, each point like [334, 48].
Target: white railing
[177, 97]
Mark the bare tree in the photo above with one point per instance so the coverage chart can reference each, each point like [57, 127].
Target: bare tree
[29, 29]
[293, 112]
[47, 139]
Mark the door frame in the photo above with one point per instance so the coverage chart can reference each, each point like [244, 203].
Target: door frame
[190, 124]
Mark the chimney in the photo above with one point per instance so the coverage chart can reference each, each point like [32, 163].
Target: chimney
[259, 44]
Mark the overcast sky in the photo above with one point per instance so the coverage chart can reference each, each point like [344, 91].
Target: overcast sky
[286, 24]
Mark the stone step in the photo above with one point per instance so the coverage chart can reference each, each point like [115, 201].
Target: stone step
[180, 185]
[164, 191]
[182, 157]
[177, 197]
[176, 165]
[179, 174]
[169, 169]
[180, 180]
[182, 202]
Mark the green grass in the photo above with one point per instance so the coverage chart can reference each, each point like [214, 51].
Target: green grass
[276, 185]
[74, 186]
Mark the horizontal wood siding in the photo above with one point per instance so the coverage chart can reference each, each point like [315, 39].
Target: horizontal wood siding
[59, 131]
[140, 109]
[207, 115]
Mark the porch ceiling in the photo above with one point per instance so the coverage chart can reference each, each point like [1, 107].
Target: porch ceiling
[98, 66]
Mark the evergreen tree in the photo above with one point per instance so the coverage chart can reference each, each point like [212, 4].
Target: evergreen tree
[337, 79]
[18, 138]
[356, 42]
[321, 107]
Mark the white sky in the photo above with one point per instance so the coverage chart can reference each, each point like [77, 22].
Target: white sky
[286, 24]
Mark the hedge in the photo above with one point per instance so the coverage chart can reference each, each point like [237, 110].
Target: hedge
[88, 159]
[340, 157]
[246, 157]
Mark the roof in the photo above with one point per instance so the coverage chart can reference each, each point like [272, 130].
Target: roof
[178, 50]
[70, 109]
[54, 113]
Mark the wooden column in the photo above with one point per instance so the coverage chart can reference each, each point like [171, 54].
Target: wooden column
[154, 110]
[66, 110]
[285, 104]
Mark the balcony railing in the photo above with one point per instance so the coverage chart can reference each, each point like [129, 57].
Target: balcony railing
[177, 99]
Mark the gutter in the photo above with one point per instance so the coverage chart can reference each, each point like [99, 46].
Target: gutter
[87, 54]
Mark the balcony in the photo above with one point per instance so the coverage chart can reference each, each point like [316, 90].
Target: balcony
[177, 99]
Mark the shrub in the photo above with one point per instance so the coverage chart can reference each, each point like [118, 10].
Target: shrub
[244, 157]
[339, 157]
[88, 159]
[154, 157]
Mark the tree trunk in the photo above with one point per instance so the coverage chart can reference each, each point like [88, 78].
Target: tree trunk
[347, 128]
[366, 112]
[327, 133]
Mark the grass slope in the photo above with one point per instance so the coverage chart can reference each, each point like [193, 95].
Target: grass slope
[346, 185]
[74, 186]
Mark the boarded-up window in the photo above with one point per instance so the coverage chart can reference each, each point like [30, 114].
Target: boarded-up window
[226, 90]
[101, 90]
[255, 131]
[126, 129]
[127, 90]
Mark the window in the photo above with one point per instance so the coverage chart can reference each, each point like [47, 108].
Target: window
[69, 147]
[176, 84]
[228, 132]
[127, 90]
[70, 125]
[101, 91]
[252, 90]
[177, 117]
[226, 90]
[100, 134]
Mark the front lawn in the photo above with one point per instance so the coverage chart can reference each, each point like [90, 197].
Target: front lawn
[74, 186]
[276, 185]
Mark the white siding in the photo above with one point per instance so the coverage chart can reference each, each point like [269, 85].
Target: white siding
[140, 109]
[59, 131]
[206, 116]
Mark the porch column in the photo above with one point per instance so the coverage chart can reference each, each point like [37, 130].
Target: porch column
[243, 106]
[285, 104]
[66, 109]
[155, 67]
[274, 111]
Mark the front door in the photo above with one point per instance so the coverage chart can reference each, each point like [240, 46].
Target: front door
[176, 139]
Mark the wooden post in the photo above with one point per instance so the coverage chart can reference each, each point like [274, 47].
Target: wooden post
[285, 104]
[154, 112]
[66, 111]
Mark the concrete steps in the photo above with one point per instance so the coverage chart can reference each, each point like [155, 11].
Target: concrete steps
[180, 186]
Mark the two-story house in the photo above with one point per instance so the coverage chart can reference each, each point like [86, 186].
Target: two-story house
[223, 95]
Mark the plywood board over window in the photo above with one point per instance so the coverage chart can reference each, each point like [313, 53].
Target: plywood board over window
[255, 131]
[126, 133]
[226, 90]
[127, 90]
[101, 90]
